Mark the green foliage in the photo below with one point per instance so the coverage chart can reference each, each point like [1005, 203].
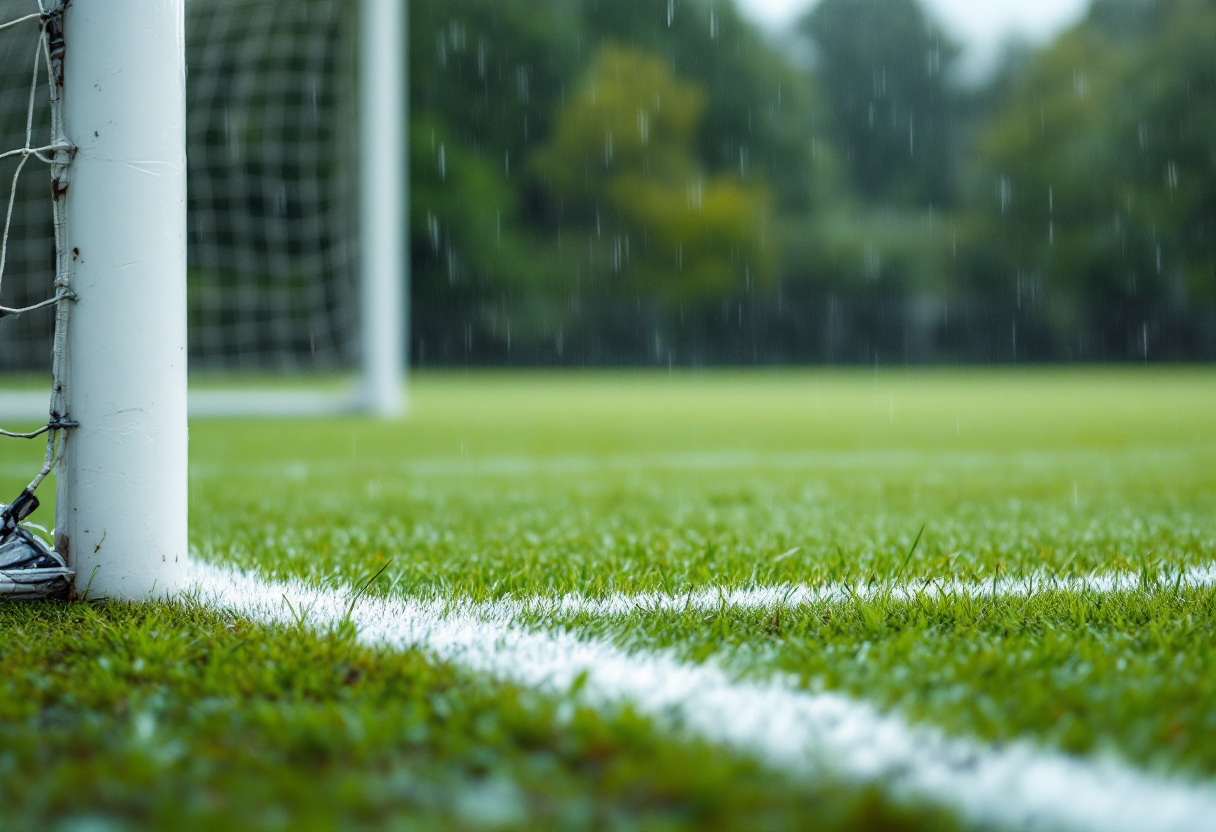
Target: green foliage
[509, 243]
[486, 79]
[1100, 171]
[869, 260]
[853, 204]
[884, 68]
[470, 233]
[1171, 108]
[622, 166]
[760, 111]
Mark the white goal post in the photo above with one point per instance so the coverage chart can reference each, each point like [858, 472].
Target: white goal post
[122, 507]
[244, 34]
[384, 206]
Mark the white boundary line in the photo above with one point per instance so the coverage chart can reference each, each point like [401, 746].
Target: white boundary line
[793, 596]
[1016, 786]
[579, 464]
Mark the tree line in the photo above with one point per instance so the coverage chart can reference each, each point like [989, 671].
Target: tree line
[645, 182]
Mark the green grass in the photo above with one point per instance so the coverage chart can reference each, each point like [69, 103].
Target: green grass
[596, 482]
[24, 382]
[158, 718]
[553, 483]
[1131, 674]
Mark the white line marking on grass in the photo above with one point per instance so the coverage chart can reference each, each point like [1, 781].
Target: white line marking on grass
[793, 596]
[1016, 786]
[577, 465]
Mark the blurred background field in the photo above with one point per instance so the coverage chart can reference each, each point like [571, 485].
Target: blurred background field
[539, 483]
[490, 414]
[529, 483]
[526, 482]
[610, 480]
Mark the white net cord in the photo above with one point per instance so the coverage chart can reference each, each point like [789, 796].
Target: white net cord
[47, 21]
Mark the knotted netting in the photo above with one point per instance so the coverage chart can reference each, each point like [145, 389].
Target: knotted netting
[270, 136]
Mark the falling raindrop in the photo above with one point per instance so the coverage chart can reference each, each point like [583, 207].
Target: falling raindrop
[1080, 84]
[432, 227]
[1051, 210]
[523, 89]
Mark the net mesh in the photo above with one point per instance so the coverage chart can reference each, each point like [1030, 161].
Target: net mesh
[35, 31]
[271, 105]
[28, 258]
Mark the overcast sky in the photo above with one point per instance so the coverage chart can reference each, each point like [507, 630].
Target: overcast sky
[982, 25]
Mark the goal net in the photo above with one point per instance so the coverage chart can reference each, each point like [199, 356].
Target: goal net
[29, 567]
[273, 284]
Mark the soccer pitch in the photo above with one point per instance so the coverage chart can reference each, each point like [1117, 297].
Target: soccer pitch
[839, 600]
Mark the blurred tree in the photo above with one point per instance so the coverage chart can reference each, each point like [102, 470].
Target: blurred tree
[622, 181]
[1168, 123]
[486, 79]
[622, 166]
[1098, 183]
[759, 120]
[884, 69]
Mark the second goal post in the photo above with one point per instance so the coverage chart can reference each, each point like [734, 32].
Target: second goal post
[298, 113]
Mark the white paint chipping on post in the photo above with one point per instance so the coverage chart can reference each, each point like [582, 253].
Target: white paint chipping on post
[123, 481]
[1016, 786]
[383, 220]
